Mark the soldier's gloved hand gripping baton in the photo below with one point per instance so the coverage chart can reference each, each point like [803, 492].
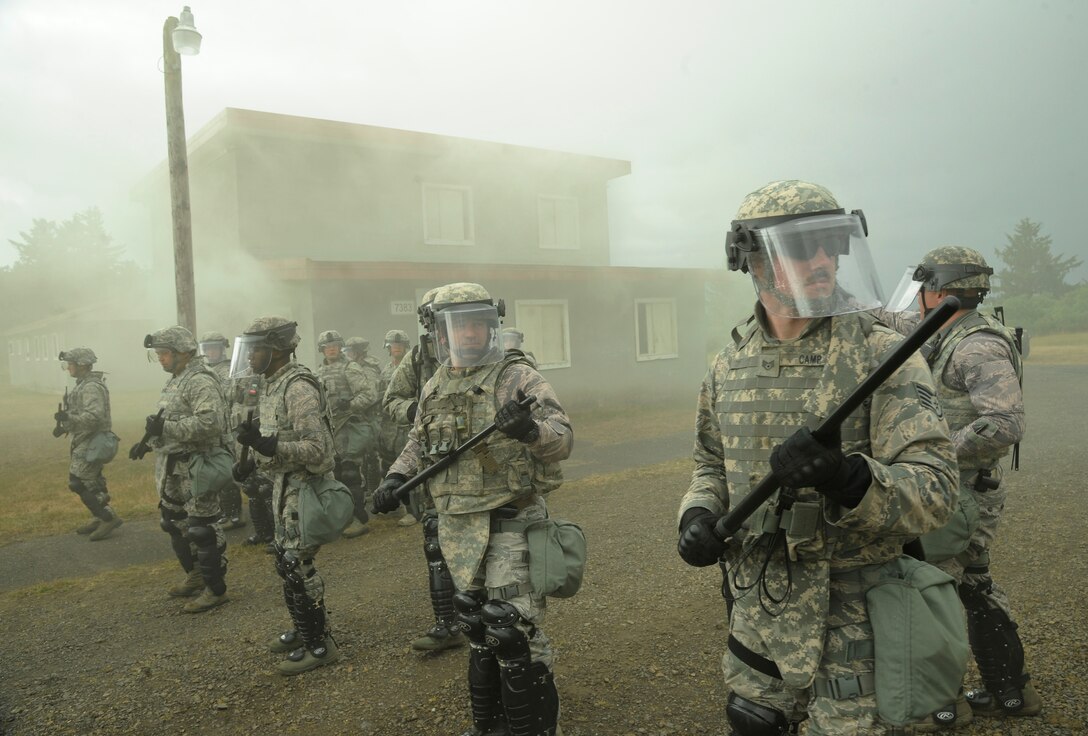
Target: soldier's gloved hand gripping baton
[141, 448]
[729, 524]
[422, 477]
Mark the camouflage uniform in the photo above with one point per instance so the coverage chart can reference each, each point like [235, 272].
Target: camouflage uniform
[292, 409]
[230, 499]
[394, 433]
[372, 465]
[352, 393]
[195, 414]
[88, 418]
[257, 487]
[806, 617]
[977, 368]
[485, 499]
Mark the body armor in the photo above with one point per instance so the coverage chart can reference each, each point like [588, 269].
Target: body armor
[496, 471]
[77, 401]
[274, 421]
[176, 407]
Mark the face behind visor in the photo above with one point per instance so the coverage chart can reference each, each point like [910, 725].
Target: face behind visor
[468, 335]
[808, 266]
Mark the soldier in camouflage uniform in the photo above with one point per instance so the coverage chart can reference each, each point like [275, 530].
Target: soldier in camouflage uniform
[394, 435]
[356, 350]
[214, 346]
[485, 501]
[400, 404]
[87, 418]
[352, 393]
[800, 640]
[513, 339]
[246, 388]
[194, 421]
[976, 364]
[291, 442]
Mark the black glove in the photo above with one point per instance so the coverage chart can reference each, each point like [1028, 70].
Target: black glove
[60, 416]
[58, 431]
[804, 462]
[136, 452]
[153, 425]
[412, 408]
[385, 495]
[249, 434]
[515, 421]
[698, 545]
[240, 471]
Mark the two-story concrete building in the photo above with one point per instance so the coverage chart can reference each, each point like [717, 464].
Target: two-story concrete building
[344, 226]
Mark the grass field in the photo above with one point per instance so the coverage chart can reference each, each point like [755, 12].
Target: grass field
[34, 496]
[1062, 349]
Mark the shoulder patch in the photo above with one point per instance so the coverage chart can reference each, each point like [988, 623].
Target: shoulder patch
[928, 398]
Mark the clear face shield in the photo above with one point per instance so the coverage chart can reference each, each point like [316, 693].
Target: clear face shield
[251, 356]
[815, 266]
[468, 335]
[905, 295]
[213, 352]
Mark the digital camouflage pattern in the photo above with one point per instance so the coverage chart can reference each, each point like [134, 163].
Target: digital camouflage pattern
[79, 356]
[393, 434]
[757, 393]
[88, 415]
[955, 255]
[393, 336]
[352, 394]
[786, 197]
[196, 416]
[291, 408]
[405, 384]
[460, 293]
[215, 337]
[176, 338]
[329, 337]
[281, 340]
[464, 508]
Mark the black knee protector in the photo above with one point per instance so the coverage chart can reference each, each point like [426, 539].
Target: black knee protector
[529, 698]
[995, 642]
[439, 579]
[347, 472]
[75, 485]
[208, 555]
[230, 501]
[484, 684]
[749, 718]
[178, 542]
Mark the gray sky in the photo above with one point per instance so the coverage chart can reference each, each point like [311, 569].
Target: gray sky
[945, 121]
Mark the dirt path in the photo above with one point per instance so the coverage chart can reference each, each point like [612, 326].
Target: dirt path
[638, 648]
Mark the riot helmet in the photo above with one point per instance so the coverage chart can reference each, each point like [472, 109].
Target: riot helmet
[78, 356]
[512, 338]
[465, 322]
[956, 269]
[255, 348]
[214, 347]
[807, 256]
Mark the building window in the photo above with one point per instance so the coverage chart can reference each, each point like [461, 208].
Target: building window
[447, 215]
[547, 331]
[558, 219]
[655, 329]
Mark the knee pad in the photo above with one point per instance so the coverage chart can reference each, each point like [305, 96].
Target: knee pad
[469, 607]
[168, 521]
[201, 532]
[749, 718]
[75, 485]
[502, 634]
[996, 645]
[349, 474]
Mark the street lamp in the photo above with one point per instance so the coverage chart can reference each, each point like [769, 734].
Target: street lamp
[180, 37]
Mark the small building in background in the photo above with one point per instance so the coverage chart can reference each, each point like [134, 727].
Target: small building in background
[344, 226]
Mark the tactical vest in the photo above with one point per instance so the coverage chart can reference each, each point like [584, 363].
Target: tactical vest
[497, 470]
[77, 400]
[771, 389]
[334, 377]
[176, 406]
[957, 406]
[275, 421]
[246, 397]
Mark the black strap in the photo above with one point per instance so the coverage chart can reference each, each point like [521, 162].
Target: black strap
[756, 661]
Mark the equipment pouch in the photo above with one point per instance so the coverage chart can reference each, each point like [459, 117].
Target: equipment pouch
[210, 472]
[102, 448]
[325, 507]
[354, 439]
[920, 640]
[955, 536]
[557, 557]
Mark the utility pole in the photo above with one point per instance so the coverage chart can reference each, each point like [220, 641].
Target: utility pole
[178, 159]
